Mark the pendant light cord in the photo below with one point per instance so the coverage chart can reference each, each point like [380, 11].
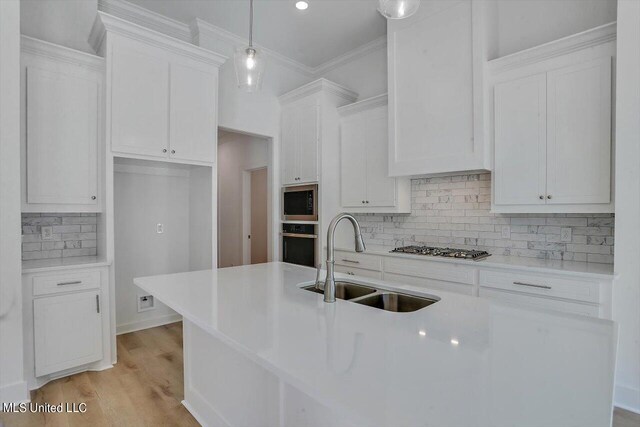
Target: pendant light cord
[250, 23]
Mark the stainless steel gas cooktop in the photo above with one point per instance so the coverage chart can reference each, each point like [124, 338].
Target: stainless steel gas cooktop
[443, 252]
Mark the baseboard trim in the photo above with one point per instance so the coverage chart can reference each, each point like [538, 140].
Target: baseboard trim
[202, 410]
[627, 398]
[15, 393]
[146, 324]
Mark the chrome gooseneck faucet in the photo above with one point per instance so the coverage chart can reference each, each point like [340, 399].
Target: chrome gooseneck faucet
[330, 283]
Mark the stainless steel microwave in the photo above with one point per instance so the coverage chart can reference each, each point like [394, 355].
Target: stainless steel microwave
[300, 203]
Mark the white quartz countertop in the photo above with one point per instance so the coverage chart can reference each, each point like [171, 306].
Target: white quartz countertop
[42, 265]
[573, 268]
[463, 361]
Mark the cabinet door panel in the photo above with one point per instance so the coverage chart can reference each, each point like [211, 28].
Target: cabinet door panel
[353, 163]
[381, 190]
[61, 136]
[520, 141]
[193, 113]
[139, 100]
[67, 331]
[431, 93]
[308, 137]
[289, 146]
[579, 133]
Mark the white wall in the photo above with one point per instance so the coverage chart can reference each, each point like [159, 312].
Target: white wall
[64, 22]
[13, 388]
[236, 153]
[626, 289]
[144, 196]
[523, 24]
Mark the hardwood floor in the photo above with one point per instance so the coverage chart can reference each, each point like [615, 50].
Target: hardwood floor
[144, 388]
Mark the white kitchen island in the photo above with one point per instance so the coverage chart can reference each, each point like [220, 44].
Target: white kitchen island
[260, 351]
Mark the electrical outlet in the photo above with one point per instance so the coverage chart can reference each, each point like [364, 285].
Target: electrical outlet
[46, 232]
[506, 232]
[159, 228]
[565, 234]
[146, 303]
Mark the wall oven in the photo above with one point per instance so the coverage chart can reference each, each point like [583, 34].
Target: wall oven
[299, 244]
[300, 203]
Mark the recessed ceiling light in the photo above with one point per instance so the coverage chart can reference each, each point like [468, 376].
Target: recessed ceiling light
[302, 5]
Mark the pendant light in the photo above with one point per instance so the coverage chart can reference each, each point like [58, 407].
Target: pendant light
[398, 9]
[249, 62]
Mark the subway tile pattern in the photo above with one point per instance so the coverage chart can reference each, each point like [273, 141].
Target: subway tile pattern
[455, 211]
[74, 234]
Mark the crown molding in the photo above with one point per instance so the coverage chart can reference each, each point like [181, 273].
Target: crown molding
[586, 39]
[316, 86]
[146, 18]
[352, 55]
[365, 104]
[201, 29]
[61, 53]
[105, 23]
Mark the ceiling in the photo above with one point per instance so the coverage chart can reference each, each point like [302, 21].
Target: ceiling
[327, 29]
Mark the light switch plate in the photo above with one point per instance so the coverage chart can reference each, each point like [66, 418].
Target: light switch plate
[46, 232]
[506, 232]
[565, 234]
[159, 228]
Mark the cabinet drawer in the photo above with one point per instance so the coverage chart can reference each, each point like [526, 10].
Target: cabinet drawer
[427, 283]
[541, 285]
[358, 260]
[438, 270]
[540, 302]
[354, 271]
[65, 282]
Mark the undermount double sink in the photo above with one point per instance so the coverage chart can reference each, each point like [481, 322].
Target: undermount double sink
[377, 298]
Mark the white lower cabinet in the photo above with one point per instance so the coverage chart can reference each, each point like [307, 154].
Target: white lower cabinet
[67, 331]
[67, 322]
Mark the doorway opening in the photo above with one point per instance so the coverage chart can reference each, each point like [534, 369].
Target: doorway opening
[244, 193]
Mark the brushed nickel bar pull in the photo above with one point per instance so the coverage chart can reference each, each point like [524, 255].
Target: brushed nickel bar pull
[351, 261]
[304, 236]
[98, 304]
[75, 282]
[532, 285]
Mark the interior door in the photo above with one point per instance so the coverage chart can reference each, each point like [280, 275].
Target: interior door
[520, 141]
[67, 331]
[139, 100]
[381, 189]
[308, 138]
[259, 216]
[193, 112]
[62, 135]
[353, 163]
[579, 121]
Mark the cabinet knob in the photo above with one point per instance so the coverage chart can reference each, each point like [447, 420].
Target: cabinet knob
[93, 197]
[173, 151]
[363, 201]
[541, 197]
[549, 196]
[164, 150]
[367, 202]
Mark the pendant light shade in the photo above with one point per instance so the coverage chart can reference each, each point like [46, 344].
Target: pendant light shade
[249, 62]
[398, 9]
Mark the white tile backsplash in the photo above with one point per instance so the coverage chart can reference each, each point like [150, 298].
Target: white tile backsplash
[455, 211]
[74, 234]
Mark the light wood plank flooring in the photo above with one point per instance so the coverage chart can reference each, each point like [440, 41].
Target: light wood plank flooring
[145, 388]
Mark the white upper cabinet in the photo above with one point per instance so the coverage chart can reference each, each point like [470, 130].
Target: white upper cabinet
[300, 141]
[365, 182]
[139, 89]
[162, 93]
[435, 90]
[551, 126]
[309, 116]
[62, 125]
